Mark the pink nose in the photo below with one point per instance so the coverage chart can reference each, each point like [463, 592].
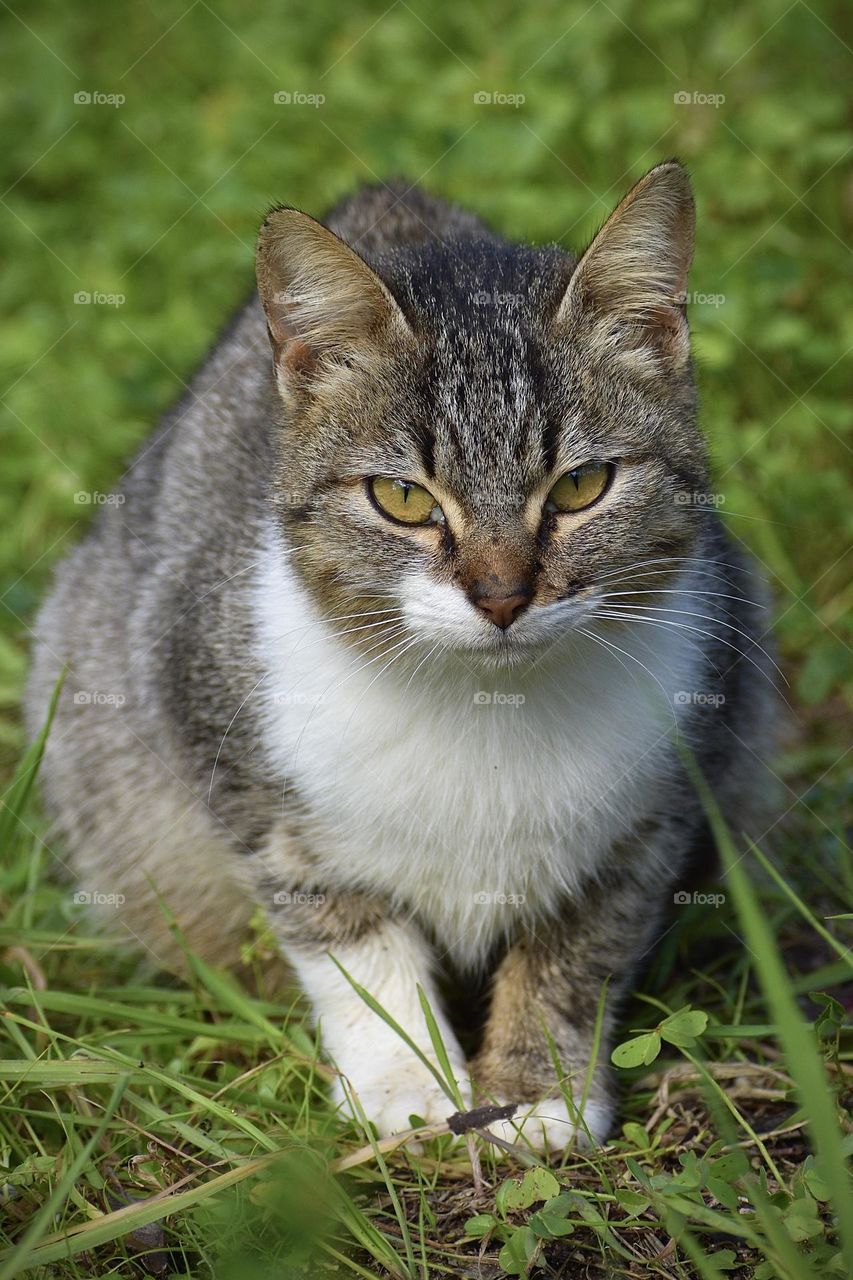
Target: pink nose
[503, 610]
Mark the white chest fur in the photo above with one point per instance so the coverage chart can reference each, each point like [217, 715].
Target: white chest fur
[466, 794]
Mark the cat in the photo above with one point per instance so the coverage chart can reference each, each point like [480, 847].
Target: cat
[397, 627]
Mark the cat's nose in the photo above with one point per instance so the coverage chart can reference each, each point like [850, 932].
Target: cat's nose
[503, 610]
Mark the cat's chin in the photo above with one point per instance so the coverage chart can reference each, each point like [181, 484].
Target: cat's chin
[505, 653]
[502, 652]
[476, 655]
[502, 657]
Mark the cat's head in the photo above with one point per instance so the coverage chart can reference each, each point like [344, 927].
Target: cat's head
[480, 437]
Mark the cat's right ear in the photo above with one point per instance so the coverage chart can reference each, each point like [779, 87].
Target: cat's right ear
[628, 292]
[324, 305]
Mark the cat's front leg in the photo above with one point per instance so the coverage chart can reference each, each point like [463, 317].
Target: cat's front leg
[547, 988]
[389, 958]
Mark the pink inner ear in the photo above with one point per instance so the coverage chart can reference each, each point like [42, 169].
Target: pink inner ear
[296, 356]
[292, 354]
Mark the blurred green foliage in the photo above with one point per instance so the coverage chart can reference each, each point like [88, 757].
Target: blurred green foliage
[158, 199]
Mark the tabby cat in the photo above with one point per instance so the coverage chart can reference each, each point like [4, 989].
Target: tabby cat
[400, 634]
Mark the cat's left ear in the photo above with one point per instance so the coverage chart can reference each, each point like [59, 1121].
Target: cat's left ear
[324, 305]
[628, 293]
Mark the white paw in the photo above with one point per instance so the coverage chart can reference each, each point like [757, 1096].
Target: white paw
[549, 1125]
[382, 1077]
[391, 1089]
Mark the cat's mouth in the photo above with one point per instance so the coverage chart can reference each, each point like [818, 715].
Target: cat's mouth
[542, 628]
[441, 615]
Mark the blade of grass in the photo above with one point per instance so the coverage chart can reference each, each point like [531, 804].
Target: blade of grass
[222, 986]
[382, 1013]
[70, 1072]
[120, 1222]
[776, 1245]
[111, 1010]
[399, 1212]
[845, 953]
[12, 804]
[22, 1254]
[804, 1061]
[440, 1050]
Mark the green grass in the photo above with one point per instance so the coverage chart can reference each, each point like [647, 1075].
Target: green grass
[115, 1085]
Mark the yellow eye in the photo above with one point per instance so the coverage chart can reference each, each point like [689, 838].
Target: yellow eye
[580, 488]
[404, 501]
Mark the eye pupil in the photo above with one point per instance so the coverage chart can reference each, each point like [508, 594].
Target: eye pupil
[581, 487]
[403, 501]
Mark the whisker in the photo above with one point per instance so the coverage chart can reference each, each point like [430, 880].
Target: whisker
[392, 635]
[694, 644]
[363, 613]
[397, 631]
[608, 644]
[684, 591]
[350, 631]
[707, 567]
[331, 687]
[342, 617]
[707, 617]
[439, 644]
[253, 689]
[669, 622]
[402, 647]
[620, 585]
[368, 626]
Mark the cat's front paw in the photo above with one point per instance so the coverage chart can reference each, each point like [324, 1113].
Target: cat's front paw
[391, 1089]
[549, 1125]
[544, 1119]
